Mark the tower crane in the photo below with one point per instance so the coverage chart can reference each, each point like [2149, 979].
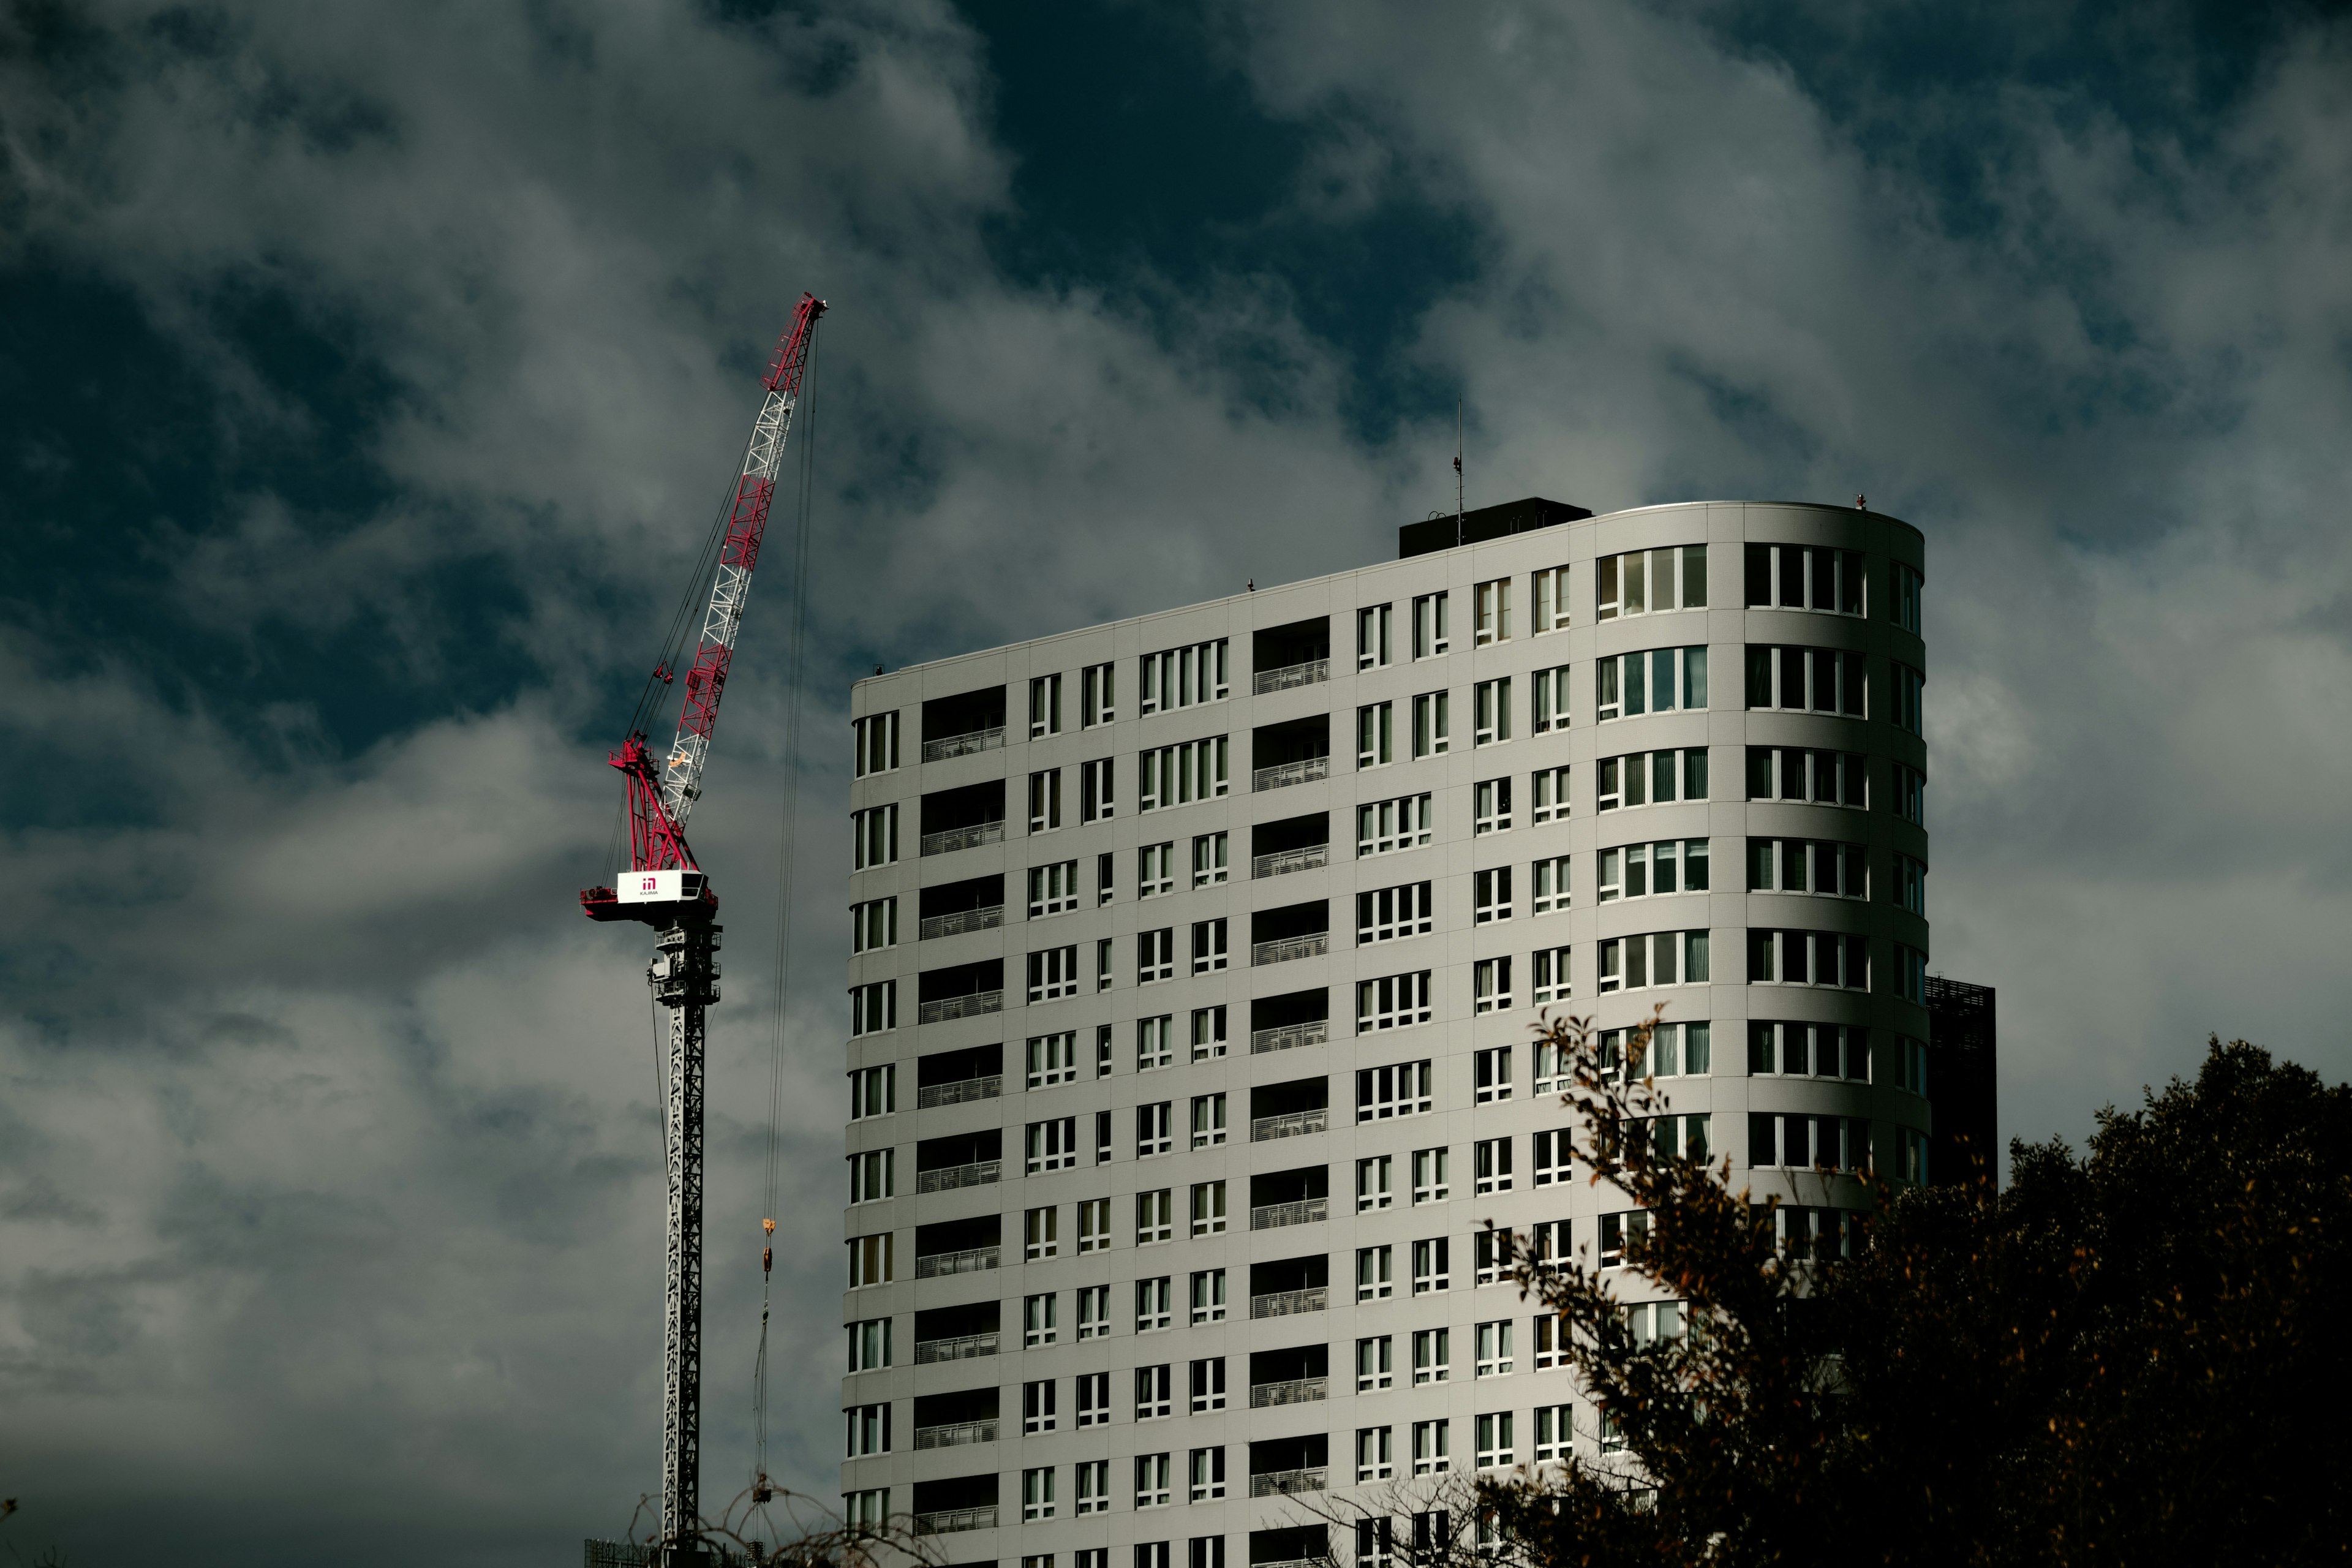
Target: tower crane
[666, 889]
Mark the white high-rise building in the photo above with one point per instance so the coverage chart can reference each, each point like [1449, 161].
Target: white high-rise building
[1194, 961]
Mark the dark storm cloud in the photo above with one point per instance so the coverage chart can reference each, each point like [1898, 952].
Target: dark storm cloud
[328, 1170]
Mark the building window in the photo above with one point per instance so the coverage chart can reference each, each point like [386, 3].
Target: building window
[1151, 1486]
[1039, 1321]
[1812, 1050]
[1383, 827]
[1490, 986]
[874, 837]
[869, 1430]
[1617, 1230]
[1053, 888]
[1389, 914]
[1093, 1491]
[1490, 1164]
[1547, 701]
[1808, 1142]
[1796, 772]
[1155, 1217]
[1374, 1367]
[1910, 884]
[1554, 1153]
[1095, 793]
[1430, 1446]
[1205, 1552]
[1552, 976]
[1808, 958]
[1208, 1295]
[1155, 1043]
[1429, 628]
[1375, 1458]
[1548, 594]
[1150, 1555]
[1094, 1219]
[867, 1513]
[1208, 945]
[1208, 859]
[1041, 1233]
[1372, 649]
[1495, 1442]
[1044, 706]
[1208, 1384]
[1658, 681]
[1663, 958]
[1490, 806]
[1208, 1033]
[1802, 577]
[870, 1176]
[1155, 955]
[1154, 1132]
[1490, 896]
[1375, 735]
[1053, 974]
[1650, 778]
[1431, 1170]
[1384, 1094]
[1910, 794]
[1208, 1465]
[1910, 974]
[869, 1260]
[1676, 1050]
[1549, 788]
[1555, 1428]
[1909, 687]
[1097, 702]
[1182, 677]
[1432, 724]
[1375, 1277]
[1490, 1076]
[873, 925]
[1045, 801]
[1433, 1270]
[1554, 1068]
[1176, 775]
[1372, 1188]
[869, 1344]
[1494, 1345]
[1906, 607]
[1153, 1305]
[873, 743]
[1642, 581]
[1208, 1208]
[1808, 866]
[1433, 1353]
[874, 1008]
[1394, 1002]
[1551, 889]
[1641, 870]
[1154, 1396]
[1490, 711]
[1036, 1407]
[1208, 1121]
[1155, 870]
[1093, 1323]
[1051, 1145]
[1806, 679]
[873, 1092]
[1491, 611]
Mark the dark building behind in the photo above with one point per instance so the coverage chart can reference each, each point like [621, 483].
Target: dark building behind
[1962, 1079]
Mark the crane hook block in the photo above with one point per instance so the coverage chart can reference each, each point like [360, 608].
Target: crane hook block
[767, 1226]
[767, 1259]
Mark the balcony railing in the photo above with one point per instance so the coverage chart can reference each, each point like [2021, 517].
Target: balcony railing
[963, 1347]
[1291, 675]
[971, 1260]
[1275, 1483]
[1283, 1303]
[964, 745]
[932, 1096]
[1297, 1391]
[1271, 1217]
[953, 839]
[968, 1006]
[946, 1178]
[1282, 949]
[947, 1520]
[1305, 858]
[955, 1433]
[1290, 1036]
[961, 920]
[1291, 1125]
[1306, 770]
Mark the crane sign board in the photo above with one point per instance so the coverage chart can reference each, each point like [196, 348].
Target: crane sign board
[673, 887]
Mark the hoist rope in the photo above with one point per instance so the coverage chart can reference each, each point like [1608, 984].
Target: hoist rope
[794, 685]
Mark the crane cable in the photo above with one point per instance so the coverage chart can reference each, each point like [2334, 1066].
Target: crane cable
[794, 683]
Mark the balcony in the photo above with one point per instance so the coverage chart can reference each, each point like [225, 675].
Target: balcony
[971, 1260]
[962, 920]
[948, 1520]
[1295, 1124]
[1315, 945]
[1282, 862]
[956, 1433]
[978, 1173]
[949, 839]
[964, 745]
[1291, 675]
[1284, 1303]
[1278, 1483]
[963, 1347]
[1290, 1036]
[966, 1006]
[1294, 1392]
[1271, 1217]
[1283, 774]
[932, 1096]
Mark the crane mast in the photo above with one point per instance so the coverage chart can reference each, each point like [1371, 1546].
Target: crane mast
[666, 887]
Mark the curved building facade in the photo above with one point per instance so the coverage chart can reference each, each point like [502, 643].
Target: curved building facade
[1194, 961]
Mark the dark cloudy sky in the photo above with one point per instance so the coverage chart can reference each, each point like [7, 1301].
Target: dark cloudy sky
[368, 373]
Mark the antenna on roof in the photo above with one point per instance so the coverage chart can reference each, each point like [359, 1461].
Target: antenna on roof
[1458, 471]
